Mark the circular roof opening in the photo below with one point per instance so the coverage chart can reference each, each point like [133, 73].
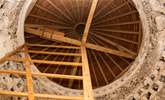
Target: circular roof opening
[79, 28]
[115, 26]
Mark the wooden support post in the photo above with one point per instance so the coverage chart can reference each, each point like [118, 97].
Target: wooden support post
[87, 85]
[29, 75]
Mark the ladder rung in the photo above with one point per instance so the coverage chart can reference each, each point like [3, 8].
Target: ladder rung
[59, 97]
[48, 96]
[13, 93]
[43, 74]
[52, 53]
[53, 46]
[47, 62]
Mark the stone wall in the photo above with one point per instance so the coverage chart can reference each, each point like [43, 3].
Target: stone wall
[145, 79]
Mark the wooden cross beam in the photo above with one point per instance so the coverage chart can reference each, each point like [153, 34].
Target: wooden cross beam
[89, 21]
[78, 43]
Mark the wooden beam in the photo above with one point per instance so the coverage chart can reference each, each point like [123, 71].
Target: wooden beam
[115, 17]
[48, 96]
[114, 9]
[78, 43]
[59, 97]
[47, 62]
[51, 12]
[46, 19]
[92, 66]
[89, 21]
[117, 24]
[116, 44]
[116, 31]
[52, 53]
[104, 60]
[13, 93]
[72, 77]
[118, 38]
[59, 10]
[111, 51]
[52, 46]
[54, 36]
[87, 85]
[56, 27]
[28, 75]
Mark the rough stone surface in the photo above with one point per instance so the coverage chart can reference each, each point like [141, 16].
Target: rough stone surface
[145, 80]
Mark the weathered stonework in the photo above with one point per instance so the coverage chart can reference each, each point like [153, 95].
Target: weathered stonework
[144, 80]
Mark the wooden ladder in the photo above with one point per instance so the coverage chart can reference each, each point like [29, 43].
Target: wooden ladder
[26, 60]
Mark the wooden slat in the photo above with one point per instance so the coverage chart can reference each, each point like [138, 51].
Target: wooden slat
[12, 93]
[29, 75]
[52, 53]
[89, 21]
[120, 47]
[47, 62]
[48, 96]
[55, 97]
[117, 24]
[59, 76]
[117, 31]
[53, 46]
[108, 50]
[72, 77]
[87, 85]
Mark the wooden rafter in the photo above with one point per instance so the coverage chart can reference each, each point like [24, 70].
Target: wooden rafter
[89, 21]
[52, 53]
[104, 61]
[78, 43]
[115, 44]
[113, 10]
[115, 17]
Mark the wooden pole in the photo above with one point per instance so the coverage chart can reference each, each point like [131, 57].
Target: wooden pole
[87, 85]
[29, 75]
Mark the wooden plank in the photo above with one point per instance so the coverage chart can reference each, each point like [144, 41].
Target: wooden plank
[117, 24]
[72, 77]
[87, 84]
[13, 93]
[59, 97]
[52, 53]
[120, 47]
[29, 75]
[52, 46]
[54, 37]
[47, 62]
[115, 17]
[111, 51]
[116, 31]
[89, 21]
[78, 43]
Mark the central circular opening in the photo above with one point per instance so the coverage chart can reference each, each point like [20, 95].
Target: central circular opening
[80, 28]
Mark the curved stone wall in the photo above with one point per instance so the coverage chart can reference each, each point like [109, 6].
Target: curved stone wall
[144, 80]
